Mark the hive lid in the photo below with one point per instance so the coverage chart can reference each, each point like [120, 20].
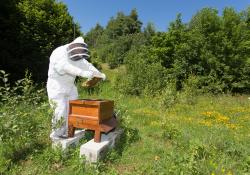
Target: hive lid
[90, 101]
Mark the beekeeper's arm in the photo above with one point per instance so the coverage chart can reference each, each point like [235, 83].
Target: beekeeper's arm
[65, 67]
[73, 70]
[91, 68]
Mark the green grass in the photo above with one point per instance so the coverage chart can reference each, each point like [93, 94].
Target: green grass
[210, 136]
[183, 140]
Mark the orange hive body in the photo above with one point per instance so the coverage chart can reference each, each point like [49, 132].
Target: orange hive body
[97, 115]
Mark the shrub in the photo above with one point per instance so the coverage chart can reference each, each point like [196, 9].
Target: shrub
[168, 96]
[190, 90]
[21, 119]
[144, 75]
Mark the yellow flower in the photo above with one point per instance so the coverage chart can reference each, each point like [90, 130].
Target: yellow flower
[222, 119]
[206, 123]
[207, 113]
[231, 126]
[157, 157]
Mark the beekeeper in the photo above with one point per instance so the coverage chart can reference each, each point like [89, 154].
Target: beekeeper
[67, 62]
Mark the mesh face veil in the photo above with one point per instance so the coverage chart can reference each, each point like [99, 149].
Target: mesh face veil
[77, 51]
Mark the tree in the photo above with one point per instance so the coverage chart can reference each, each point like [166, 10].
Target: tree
[214, 49]
[113, 42]
[123, 25]
[40, 26]
[93, 35]
[149, 31]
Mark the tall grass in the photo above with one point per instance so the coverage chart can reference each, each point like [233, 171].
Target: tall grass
[207, 135]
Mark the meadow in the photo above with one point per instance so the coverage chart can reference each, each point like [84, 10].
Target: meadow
[201, 134]
[181, 95]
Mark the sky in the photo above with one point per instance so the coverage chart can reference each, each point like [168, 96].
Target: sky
[88, 13]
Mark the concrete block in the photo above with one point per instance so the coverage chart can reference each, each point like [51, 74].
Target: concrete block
[64, 143]
[94, 151]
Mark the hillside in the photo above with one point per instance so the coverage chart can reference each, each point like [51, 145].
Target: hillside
[207, 135]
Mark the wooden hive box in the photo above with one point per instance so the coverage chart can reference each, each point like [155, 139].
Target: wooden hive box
[97, 115]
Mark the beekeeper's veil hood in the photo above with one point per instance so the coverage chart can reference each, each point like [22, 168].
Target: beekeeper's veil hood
[78, 49]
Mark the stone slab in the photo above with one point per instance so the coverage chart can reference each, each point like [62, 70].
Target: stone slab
[94, 151]
[64, 143]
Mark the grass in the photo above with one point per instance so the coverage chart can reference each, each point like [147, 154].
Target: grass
[210, 136]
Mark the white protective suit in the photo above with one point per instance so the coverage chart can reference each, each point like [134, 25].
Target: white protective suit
[61, 87]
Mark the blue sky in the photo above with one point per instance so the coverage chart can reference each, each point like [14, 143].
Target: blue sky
[161, 12]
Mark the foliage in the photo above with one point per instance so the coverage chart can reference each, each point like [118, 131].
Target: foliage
[212, 48]
[93, 35]
[168, 96]
[30, 30]
[149, 31]
[209, 136]
[169, 129]
[18, 126]
[112, 43]
[123, 25]
[144, 75]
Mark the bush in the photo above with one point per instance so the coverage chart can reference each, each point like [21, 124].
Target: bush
[168, 96]
[144, 75]
[190, 90]
[22, 117]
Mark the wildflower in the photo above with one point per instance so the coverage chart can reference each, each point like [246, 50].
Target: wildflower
[208, 113]
[206, 123]
[157, 157]
[231, 126]
[222, 119]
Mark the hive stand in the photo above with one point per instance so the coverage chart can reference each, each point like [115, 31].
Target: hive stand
[93, 151]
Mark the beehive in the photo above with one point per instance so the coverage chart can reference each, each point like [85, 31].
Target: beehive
[93, 114]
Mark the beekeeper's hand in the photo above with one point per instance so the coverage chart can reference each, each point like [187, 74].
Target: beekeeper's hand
[103, 76]
[99, 75]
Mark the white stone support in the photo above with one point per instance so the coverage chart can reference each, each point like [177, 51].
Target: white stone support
[64, 143]
[94, 151]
